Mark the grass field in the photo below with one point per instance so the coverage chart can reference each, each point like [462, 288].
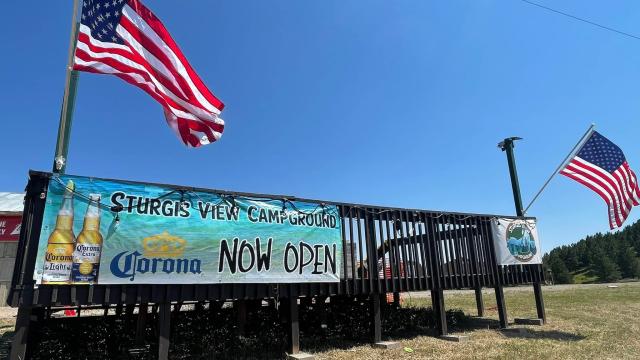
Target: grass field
[590, 321]
[584, 322]
[584, 276]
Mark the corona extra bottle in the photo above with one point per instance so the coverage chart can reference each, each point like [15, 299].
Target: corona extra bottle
[86, 256]
[59, 254]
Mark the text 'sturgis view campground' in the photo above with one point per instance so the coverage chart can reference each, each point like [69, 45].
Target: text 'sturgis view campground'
[320, 180]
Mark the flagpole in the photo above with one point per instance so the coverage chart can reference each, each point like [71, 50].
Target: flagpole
[563, 163]
[68, 100]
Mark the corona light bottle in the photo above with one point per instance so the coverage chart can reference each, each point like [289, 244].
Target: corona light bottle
[59, 254]
[86, 256]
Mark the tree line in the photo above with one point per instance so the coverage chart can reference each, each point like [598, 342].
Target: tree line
[603, 257]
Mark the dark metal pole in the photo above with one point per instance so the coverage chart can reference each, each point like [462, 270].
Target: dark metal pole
[507, 146]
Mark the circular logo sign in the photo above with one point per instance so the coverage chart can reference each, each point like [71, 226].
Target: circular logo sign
[520, 240]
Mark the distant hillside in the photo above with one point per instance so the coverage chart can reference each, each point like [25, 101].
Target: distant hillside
[597, 258]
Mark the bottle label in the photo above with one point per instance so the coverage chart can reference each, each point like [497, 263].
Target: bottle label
[86, 262]
[58, 263]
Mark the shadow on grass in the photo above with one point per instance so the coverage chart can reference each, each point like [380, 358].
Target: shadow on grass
[477, 323]
[348, 325]
[545, 334]
[204, 334]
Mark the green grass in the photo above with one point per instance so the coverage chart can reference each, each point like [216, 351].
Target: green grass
[584, 322]
[585, 276]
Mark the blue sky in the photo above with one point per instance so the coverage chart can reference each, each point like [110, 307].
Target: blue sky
[389, 103]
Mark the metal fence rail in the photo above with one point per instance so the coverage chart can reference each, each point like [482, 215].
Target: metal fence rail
[424, 250]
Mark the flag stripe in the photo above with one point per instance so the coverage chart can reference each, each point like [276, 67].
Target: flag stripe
[139, 80]
[607, 178]
[154, 23]
[611, 178]
[124, 65]
[631, 179]
[146, 41]
[591, 183]
[196, 110]
[147, 49]
[627, 192]
[596, 188]
[623, 175]
[613, 202]
[128, 58]
[128, 41]
[601, 166]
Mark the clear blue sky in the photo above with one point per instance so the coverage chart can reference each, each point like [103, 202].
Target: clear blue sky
[391, 103]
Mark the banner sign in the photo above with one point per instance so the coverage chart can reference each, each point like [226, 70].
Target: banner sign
[114, 232]
[10, 228]
[516, 242]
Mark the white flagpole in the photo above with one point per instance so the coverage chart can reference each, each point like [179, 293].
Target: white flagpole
[564, 162]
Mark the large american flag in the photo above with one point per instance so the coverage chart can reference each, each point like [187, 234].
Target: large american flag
[601, 166]
[125, 39]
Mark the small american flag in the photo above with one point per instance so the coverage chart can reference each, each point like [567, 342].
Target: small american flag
[125, 39]
[601, 166]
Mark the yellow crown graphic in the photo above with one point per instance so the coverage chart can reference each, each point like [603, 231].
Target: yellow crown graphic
[164, 245]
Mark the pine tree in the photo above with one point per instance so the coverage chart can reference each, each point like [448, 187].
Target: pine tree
[611, 256]
[558, 269]
[629, 263]
[606, 269]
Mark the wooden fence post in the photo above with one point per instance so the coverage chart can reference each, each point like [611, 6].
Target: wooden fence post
[293, 325]
[437, 301]
[502, 307]
[21, 336]
[164, 330]
[376, 322]
[479, 301]
[537, 290]
[321, 308]
[141, 324]
[240, 306]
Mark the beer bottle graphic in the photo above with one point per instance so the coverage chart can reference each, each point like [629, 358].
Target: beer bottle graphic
[86, 256]
[59, 254]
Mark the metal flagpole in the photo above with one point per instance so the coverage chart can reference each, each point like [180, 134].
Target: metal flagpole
[68, 100]
[26, 311]
[563, 163]
[507, 146]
